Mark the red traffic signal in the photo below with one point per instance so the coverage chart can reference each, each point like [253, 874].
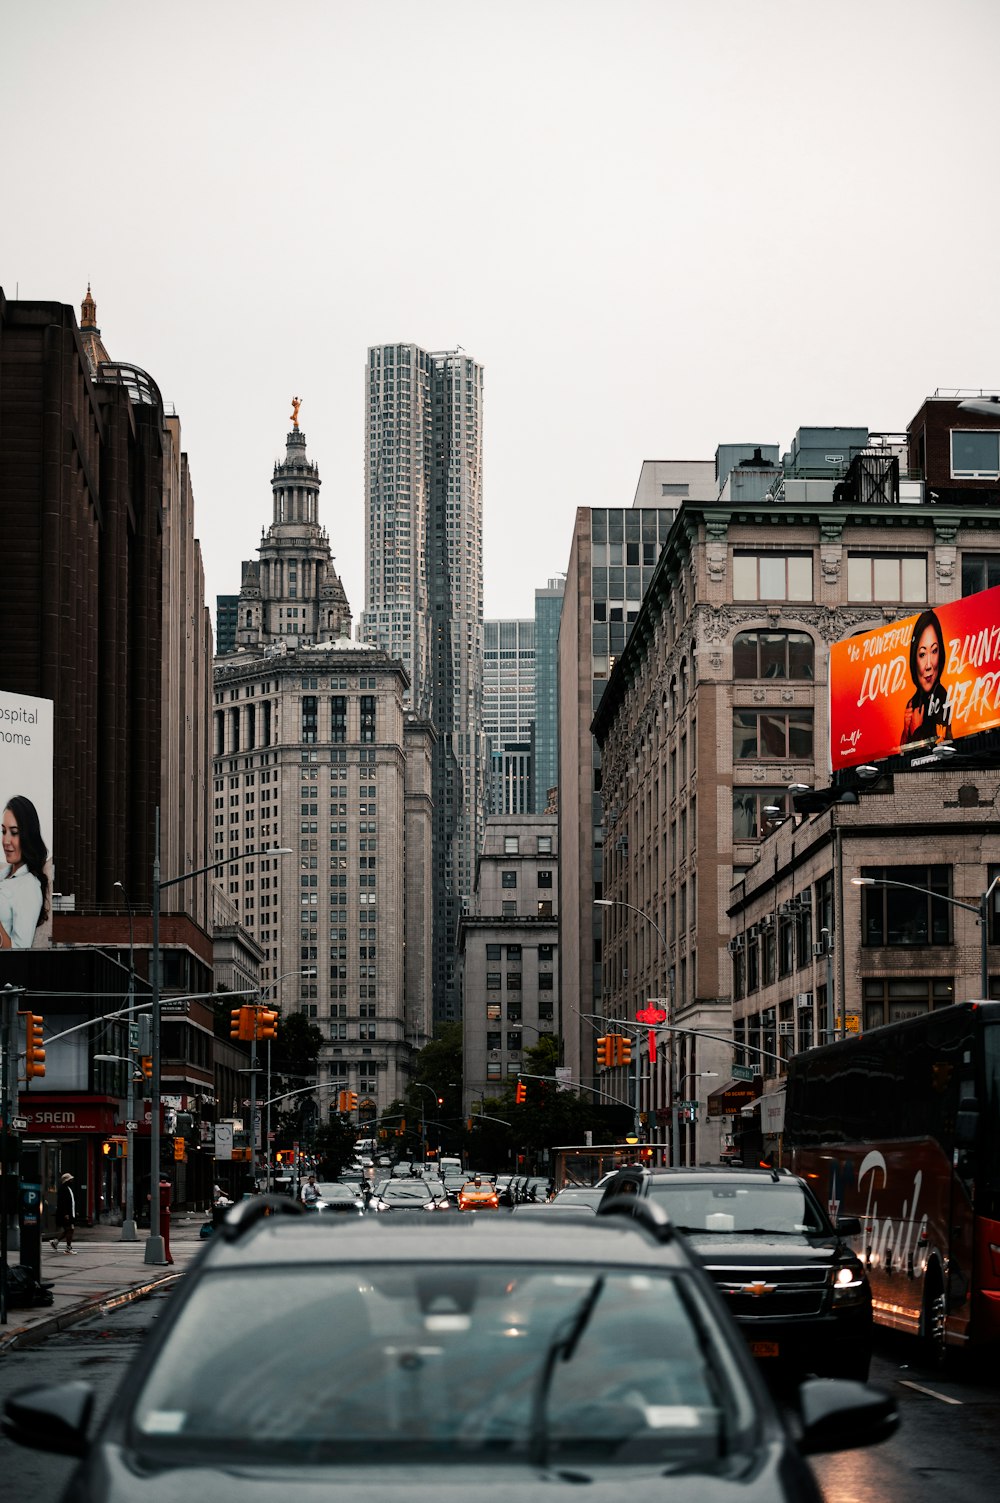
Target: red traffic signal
[520, 1095]
[605, 1051]
[34, 1053]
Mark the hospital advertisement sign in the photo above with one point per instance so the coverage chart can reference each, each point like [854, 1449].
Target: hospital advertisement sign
[26, 862]
[927, 678]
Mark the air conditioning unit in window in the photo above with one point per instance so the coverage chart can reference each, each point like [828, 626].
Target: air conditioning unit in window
[766, 921]
[803, 999]
[785, 1029]
[819, 948]
[735, 945]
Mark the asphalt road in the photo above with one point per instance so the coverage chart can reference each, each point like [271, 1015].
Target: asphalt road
[947, 1450]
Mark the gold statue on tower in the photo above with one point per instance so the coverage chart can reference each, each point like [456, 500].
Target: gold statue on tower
[296, 404]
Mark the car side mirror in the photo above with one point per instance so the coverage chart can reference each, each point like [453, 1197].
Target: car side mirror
[848, 1226]
[52, 1417]
[839, 1415]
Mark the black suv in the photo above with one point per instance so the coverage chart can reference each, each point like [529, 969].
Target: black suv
[413, 1357]
[789, 1277]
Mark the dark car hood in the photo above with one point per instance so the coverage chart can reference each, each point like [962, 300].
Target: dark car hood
[737, 1247]
[749, 1480]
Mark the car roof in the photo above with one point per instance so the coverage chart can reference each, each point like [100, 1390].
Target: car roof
[694, 1174]
[580, 1240]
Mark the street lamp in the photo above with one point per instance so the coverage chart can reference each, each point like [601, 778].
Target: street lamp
[423, 1120]
[128, 1224]
[980, 909]
[675, 1105]
[155, 1249]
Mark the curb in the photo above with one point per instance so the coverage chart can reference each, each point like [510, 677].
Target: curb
[25, 1336]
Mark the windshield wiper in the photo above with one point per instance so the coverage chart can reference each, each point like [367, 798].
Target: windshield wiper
[563, 1344]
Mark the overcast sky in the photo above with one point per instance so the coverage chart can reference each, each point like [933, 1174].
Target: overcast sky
[660, 225]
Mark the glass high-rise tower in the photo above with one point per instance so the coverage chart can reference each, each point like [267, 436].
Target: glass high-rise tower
[424, 594]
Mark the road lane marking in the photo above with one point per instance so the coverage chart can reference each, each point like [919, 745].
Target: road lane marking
[931, 1393]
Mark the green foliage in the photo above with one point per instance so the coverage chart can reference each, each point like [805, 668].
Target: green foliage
[333, 1145]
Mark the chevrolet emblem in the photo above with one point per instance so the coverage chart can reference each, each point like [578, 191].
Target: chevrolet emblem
[758, 1289]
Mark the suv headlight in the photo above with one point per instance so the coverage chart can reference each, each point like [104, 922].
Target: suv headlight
[848, 1283]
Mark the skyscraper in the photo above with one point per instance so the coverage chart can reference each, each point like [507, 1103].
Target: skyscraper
[424, 570]
[509, 713]
[548, 610]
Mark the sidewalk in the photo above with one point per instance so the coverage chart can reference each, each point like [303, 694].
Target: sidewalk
[103, 1273]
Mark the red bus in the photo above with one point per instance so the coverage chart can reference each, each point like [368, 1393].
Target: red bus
[900, 1127]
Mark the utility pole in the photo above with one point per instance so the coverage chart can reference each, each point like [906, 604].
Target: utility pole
[8, 1107]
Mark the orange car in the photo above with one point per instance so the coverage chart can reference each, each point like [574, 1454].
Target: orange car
[478, 1195]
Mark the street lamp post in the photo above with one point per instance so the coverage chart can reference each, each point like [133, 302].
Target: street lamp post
[155, 1249]
[675, 1110]
[128, 1224]
[980, 909]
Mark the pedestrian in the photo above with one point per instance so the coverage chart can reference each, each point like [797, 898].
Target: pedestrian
[65, 1214]
[310, 1193]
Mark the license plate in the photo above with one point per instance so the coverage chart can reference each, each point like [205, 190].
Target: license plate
[764, 1348]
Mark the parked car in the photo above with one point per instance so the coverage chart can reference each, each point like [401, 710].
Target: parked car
[790, 1277]
[504, 1355]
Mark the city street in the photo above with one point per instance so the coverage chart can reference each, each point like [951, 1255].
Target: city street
[948, 1447]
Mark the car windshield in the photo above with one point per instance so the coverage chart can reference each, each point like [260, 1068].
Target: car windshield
[375, 1364]
[330, 1191]
[406, 1189]
[781, 1207]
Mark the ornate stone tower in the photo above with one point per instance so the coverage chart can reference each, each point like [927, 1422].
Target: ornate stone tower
[293, 596]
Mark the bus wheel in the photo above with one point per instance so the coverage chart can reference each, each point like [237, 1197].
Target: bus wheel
[933, 1322]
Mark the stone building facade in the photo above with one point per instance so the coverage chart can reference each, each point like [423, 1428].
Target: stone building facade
[509, 952]
[715, 718]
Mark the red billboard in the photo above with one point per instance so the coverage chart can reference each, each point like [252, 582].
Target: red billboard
[924, 679]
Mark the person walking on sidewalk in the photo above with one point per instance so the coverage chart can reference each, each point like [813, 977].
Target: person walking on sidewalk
[65, 1213]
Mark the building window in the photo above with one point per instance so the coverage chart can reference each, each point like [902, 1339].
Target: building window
[510, 845]
[508, 908]
[772, 576]
[367, 710]
[898, 916]
[513, 981]
[975, 454]
[545, 845]
[493, 981]
[545, 953]
[980, 571]
[513, 1042]
[338, 717]
[545, 908]
[772, 735]
[545, 981]
[882, 576]
[493, 1012]
[493, 952]
[545, 879]
[508, 879]
[749, 820]
[309, 717]
[772, 654]
[888, 1001]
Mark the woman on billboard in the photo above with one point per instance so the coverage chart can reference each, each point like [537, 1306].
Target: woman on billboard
[23, 882]
[927, 715]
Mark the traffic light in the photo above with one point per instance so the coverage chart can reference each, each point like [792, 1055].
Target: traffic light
[266, 1021]
[605, 1051]
[180, 1150]
[520, 1095]
[236, 1023]
[342, 1101]
[623, 1050]
[34, 1052]
[146, 1065]
[352, 1100]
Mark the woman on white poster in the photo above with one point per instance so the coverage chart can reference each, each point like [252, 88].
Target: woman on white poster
[23, 882]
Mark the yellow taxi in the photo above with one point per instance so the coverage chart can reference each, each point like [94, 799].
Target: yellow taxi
[478, 1194]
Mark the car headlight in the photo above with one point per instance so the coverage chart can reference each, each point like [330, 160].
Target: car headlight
[848, 1283]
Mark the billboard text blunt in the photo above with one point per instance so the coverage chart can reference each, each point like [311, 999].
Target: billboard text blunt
[26, 868]
[916, 681]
